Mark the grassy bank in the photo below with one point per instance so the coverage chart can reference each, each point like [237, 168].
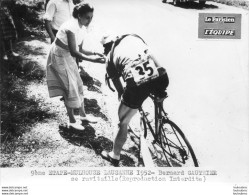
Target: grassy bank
[17, 109]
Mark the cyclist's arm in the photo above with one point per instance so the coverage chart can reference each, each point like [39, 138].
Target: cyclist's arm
[118, 85]
[115, 76]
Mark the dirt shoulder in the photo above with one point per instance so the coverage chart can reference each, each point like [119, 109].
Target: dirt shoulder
[46, 142]
[33, 126]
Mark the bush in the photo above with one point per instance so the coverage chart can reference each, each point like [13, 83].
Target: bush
[18, 111]
[26, 16]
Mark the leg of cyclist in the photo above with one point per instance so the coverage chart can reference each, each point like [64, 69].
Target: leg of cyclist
[125, 115]
[132, 99]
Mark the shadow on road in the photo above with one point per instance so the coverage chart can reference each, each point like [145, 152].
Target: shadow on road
[92, 107]
[91, 83]
[87, 138]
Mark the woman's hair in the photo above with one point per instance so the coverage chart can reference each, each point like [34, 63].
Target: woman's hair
[82, 8]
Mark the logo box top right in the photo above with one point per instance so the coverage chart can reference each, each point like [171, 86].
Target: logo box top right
[219, 26]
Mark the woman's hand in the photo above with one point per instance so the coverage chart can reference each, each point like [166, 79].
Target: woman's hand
[99, 54]
[100, 60]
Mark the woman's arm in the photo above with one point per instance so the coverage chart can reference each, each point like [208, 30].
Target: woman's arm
[48, 27]
[86, 52]
[75, 53]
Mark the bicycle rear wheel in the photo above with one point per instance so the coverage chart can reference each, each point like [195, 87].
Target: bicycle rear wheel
[176, 148]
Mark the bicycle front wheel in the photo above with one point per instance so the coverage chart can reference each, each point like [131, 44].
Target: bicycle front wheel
[176, 148]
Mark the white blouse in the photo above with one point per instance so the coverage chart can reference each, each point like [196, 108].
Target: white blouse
[73, 26]
[58, 11]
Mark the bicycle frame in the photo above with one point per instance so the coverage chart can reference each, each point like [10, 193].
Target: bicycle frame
[162, 137]
[158, 105]
[160, 114]
[160, 117]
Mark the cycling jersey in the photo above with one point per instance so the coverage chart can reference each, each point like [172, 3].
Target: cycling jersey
[131, 59]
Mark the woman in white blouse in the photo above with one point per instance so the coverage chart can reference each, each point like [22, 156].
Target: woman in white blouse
[63, 77]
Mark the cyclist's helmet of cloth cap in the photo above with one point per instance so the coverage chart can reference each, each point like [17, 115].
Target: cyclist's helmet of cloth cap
[108, 38]
[107, 41]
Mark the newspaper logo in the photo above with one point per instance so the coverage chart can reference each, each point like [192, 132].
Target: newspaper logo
[219, 32]
[219, 26]
[216, 19]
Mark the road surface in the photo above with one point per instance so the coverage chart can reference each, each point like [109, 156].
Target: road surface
[208, 90]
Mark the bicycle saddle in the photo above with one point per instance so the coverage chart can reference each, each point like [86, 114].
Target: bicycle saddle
[159, 97]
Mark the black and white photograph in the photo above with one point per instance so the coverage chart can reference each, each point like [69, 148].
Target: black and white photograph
[146, 96]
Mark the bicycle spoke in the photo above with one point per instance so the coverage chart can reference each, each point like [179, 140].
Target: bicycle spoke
[175, 146]
[170, 146]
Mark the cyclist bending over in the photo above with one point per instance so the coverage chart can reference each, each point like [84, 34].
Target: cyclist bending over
[129, 57]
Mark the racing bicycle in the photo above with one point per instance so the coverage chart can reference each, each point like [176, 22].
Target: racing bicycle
[167, 143]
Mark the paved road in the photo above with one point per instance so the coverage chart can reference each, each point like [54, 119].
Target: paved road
[208, 92]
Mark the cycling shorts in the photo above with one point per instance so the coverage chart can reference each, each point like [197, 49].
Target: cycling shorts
[134, 96]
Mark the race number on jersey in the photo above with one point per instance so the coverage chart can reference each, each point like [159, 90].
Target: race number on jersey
[144, 70]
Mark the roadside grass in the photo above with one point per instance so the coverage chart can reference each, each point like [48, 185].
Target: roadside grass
[27, 17]
[18, 111]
